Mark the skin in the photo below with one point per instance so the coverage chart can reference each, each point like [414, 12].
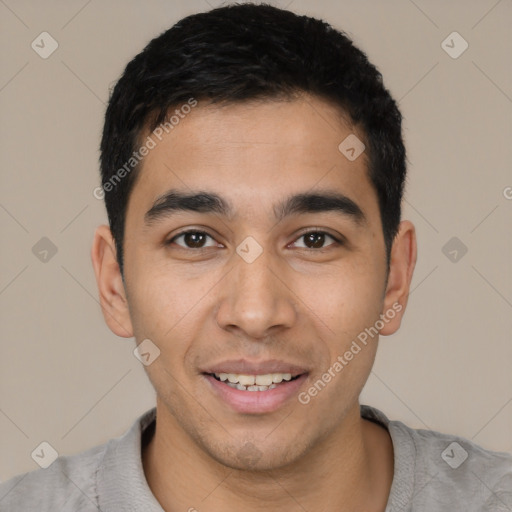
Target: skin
[291, 303]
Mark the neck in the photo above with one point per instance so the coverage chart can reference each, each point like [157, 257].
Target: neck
[350, 468]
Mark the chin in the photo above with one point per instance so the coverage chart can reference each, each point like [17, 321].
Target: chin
[250, 456]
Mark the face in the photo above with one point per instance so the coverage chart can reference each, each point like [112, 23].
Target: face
[250, 280]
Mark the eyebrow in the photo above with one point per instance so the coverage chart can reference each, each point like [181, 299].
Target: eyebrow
[174, 201]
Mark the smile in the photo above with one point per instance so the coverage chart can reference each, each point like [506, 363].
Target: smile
[254, 394]
[254, 382]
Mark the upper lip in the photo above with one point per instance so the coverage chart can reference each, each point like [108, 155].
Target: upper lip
[245, 367]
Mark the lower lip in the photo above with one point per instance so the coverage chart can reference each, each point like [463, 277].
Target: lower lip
[252, 402]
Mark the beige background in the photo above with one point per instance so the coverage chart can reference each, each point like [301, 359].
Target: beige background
[66, 379]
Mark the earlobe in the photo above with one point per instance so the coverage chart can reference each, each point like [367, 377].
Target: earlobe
[110, 284]
[403, 261]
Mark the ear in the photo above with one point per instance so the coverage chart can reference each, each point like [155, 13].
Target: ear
[402, 263]
[110, 283]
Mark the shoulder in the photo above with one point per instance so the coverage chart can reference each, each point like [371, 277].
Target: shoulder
[70, 481]
[451, 471]
[438, 471]
[464, 463]
[109, 474]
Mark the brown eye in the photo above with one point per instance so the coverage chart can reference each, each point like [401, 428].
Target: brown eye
[316, 240]
[192, 239]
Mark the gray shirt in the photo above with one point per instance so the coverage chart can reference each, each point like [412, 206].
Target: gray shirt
[433, 472]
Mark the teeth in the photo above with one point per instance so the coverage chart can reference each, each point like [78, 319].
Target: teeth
[251, 388]
[254, 380]
[248, 380]
[264, 380]
[245, 382]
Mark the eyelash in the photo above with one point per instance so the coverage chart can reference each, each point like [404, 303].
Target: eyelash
[337, 241]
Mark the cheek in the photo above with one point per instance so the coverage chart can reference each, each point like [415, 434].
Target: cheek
[346, 306]
[171, 310]
[344, 300]
[340, 381]
[163, 299]
[167, 316]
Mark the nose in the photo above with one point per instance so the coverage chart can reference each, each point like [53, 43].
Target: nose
[256, 300]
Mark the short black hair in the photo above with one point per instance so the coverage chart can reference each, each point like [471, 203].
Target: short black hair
[246, 52]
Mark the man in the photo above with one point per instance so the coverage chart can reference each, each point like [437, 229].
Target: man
[253, 167]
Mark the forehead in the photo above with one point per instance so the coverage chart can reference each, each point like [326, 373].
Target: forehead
[258, 149]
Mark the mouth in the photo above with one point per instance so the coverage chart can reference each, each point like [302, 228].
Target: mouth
[244, 382]
[254, 394]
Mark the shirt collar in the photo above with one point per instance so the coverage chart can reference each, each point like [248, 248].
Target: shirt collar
[122, 485]
[120, 481]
